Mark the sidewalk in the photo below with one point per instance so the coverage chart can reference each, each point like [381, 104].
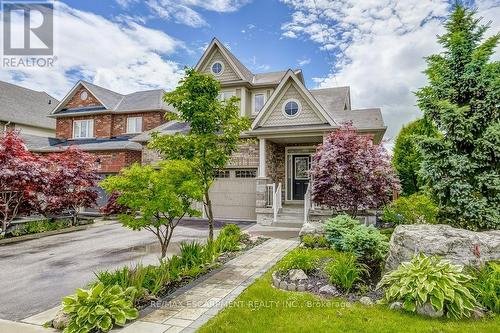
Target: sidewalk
[192, 306]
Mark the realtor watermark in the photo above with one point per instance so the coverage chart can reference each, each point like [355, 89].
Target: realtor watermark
[28, 34]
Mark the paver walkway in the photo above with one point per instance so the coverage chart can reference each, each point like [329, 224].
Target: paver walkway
[189, 309]
[192, 306]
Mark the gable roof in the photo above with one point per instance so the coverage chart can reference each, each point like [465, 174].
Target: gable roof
[25, 106]
[49, 145]
[244, 73]
[290, 75]
[332, 98]
[171, 127]
[147, 100]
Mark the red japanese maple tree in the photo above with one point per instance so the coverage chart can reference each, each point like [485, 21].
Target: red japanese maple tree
[23, 177]
[72, 181]
[350, 173]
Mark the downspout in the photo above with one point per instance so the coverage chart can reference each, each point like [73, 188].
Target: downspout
[5, 126]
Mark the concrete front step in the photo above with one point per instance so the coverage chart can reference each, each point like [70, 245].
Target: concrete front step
[295, 225]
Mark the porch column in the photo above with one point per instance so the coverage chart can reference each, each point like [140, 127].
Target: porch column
[262, 158]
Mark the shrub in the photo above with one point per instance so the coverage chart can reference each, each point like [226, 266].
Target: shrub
[229, 238]
[99, 308]
[348, 235]
[430, 280]
[344, 270]
[211, 251]
[299, 259]
[486, 287]
[191, 254]
[311, 241]
[35, 227]
[415, 209]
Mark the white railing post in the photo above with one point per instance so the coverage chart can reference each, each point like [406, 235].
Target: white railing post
[276, 202]
[307, 202]
[270, 195]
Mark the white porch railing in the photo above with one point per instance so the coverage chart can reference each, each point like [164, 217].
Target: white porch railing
[307, 203]
[270, 189]
[277, 205]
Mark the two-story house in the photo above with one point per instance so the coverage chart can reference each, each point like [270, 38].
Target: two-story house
[102, 122]
[270, 171]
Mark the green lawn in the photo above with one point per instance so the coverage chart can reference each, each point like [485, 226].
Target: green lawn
[262, 308]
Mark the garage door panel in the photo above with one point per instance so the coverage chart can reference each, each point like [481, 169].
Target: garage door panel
[234, 198]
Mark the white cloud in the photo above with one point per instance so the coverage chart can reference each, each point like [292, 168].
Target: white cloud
[126, 3]
[378, 47]
[124, 57]
[183, 11]
[303, 61]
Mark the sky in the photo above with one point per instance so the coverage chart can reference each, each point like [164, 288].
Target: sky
[377, 47]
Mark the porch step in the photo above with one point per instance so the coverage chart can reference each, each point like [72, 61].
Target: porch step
[287, 225]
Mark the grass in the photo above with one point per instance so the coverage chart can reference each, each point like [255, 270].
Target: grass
[262, 308]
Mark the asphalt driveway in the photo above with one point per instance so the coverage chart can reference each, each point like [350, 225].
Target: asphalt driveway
[36, 274]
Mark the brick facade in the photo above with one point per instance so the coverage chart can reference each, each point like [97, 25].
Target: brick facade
[114, 161]
[109, 125]
[77, 102]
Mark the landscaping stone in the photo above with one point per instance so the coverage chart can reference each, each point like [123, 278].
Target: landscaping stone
[428, 310]
[301, 287]
[297, 274]
[365, 300]
[61, 320]
[312, 228]
[291, 287]
[329, 290]
[459, 246]
[283, 285]
[396, 306]
[477, 314]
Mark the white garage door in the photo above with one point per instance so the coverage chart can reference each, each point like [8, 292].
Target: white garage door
[233, 194]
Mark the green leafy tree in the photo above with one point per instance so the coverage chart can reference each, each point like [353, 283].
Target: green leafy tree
[462, 165]
[214, 135]
[162, 197]
[407, 157]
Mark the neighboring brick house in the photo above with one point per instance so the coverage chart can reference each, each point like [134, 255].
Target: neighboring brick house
[102, 122]
[289, 121]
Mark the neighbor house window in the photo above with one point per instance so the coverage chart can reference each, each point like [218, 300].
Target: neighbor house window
[246, 173]
[83, 128]
[134, 124]
[258, 102]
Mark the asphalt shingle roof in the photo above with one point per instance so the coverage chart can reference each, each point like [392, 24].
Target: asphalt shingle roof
[171, 127]
[25, 106]
[47, 145]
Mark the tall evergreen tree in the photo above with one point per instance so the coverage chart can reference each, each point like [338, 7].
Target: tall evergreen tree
[407, 158]
[462, 100]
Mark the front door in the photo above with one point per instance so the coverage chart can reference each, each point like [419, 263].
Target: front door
[301, 164]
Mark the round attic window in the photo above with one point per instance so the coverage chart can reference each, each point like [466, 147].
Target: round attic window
[217, 68]
[84, 95]
[291, 108]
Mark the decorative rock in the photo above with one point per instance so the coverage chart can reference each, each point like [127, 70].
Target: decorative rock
[276, 280]
[283, 285]
[291, 287]
[477, 314]
[297, 274]
[459, 246]
[312, 228]
[428, 310]
[301, 287]
[60, 321]
[396, 306]
[329, 290]
[365, 300]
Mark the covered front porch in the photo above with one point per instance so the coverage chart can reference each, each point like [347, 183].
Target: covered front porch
[282, 194]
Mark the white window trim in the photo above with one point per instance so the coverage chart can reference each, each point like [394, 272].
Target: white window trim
[134, 132]
[91, 130]
[286, 102]
[221, 71]
[222, 92]
[253, 101]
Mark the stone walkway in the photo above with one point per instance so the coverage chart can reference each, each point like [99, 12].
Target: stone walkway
[192, 306]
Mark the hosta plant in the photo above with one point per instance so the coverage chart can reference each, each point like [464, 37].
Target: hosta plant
[99, 308]
[430, 280]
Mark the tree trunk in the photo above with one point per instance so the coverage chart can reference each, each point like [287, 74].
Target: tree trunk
[210, 216]
[163, 250]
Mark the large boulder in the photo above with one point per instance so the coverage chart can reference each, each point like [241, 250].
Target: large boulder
[313, 229]
[459, 246]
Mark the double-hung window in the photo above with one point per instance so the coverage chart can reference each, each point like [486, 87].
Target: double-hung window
[83, 129]
[225, 95]
[134, 124]
[258, 102]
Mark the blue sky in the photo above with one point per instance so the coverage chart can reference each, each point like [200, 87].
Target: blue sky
[374, 46]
